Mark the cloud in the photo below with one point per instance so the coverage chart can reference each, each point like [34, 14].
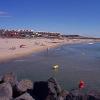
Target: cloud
[4, 14]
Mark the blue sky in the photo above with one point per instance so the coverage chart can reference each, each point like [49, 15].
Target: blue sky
[65, 16]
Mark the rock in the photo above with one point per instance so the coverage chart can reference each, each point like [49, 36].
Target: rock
[16, 93]
[24, 85]
[77, 94]
[1, 81]
[51, 87]
[93, 95]
[50, 97]
[40, 90]
[24, 96]
[63, 94]
[54, 87]
[5, 91]
[54, 81]
[10, 78]
[61, 98]
[4, 98]
[0, 78]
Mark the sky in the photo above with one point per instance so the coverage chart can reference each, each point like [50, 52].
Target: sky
[65, 16]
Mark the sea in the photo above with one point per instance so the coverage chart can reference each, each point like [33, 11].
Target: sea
[76, 62]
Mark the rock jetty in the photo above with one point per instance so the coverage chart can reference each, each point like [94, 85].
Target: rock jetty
[12, 89]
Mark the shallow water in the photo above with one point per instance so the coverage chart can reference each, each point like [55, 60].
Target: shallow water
[77, 62]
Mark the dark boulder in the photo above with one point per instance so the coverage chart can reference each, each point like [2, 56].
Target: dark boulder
[77, 94]
[54, 87]
[50, 97]
[1, 81]
[63, 95]
[93, 95]
[40, 90]
[9, 78]
[25, 96]
[24, 85]
[5, 91]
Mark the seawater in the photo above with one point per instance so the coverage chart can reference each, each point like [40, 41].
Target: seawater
[76, 62]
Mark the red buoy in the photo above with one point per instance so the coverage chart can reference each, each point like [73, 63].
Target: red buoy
[81, 84]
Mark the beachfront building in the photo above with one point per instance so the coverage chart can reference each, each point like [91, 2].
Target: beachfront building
[27, 34]
[48, 34]
[31, 34]
[16, 33]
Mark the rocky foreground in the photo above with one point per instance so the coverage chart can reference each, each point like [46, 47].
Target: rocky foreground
[12, 89]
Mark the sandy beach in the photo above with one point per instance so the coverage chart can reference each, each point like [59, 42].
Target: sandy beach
[10, 48]
[16, 48]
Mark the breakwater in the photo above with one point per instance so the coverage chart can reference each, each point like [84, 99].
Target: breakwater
[25, 89]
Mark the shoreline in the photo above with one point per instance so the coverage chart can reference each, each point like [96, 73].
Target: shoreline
[10, 48]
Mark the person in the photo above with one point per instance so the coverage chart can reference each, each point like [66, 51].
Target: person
[81, 84]
[22, 46]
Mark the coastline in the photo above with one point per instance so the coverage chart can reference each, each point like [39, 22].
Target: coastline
[10, 48]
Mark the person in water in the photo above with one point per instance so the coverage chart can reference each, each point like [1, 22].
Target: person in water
[81, 84]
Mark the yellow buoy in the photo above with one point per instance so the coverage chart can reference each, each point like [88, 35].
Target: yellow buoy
[55, 66]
